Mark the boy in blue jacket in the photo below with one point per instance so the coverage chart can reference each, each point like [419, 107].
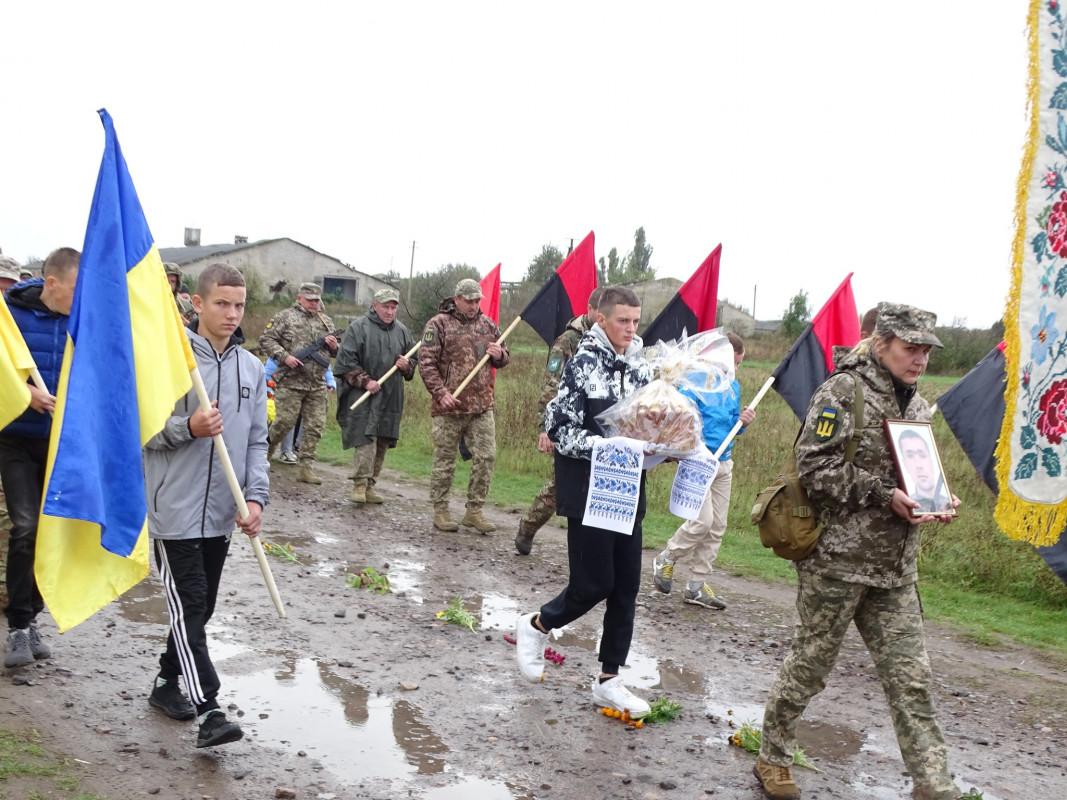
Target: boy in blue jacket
[41, 310]
[700, 538]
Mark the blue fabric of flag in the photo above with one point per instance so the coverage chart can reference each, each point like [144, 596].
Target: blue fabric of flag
[90, 482]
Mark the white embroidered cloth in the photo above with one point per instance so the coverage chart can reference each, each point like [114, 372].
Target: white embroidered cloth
[614, 484]
[691, 483]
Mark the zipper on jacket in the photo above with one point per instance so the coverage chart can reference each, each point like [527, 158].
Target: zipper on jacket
[211, 450]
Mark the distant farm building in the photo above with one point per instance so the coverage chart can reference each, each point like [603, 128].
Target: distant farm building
[283, 264]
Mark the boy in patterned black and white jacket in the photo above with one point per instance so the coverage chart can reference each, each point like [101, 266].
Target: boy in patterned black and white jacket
[604, 565]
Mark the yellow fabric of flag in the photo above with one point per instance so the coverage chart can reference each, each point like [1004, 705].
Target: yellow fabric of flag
[16, 364]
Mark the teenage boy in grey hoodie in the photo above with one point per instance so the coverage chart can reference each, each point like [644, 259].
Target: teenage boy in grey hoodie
[191, 511]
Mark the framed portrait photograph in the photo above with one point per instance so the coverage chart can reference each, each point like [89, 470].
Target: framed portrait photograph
[919, 469]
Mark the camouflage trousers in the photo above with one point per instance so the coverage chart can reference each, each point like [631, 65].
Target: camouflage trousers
[367, 460]
[542, 509]
[890, 622]
[292, 403]
[479, 431]
[700, 538]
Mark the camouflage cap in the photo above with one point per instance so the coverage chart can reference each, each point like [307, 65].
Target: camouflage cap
[389, 295]
[310, 291]
[9, 268]
[913, 325]
[468, 289]
[172, 269]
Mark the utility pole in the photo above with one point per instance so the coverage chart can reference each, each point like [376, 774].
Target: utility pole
[753, 308]
[411, 272]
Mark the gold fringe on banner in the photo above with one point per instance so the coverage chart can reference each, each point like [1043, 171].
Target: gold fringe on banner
[1037, 523]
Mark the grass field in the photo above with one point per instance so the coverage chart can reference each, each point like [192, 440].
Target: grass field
[972, 574]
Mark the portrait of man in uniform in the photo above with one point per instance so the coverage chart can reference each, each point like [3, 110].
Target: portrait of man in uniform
[919, 465]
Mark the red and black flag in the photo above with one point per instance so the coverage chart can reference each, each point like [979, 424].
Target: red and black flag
[693, 308]
[974, 411]
[565, 295]
[811, 358]
[491, 294]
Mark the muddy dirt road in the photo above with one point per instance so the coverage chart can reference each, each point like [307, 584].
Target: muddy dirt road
[361, 695]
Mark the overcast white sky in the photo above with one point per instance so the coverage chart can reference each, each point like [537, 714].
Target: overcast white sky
[810, 138]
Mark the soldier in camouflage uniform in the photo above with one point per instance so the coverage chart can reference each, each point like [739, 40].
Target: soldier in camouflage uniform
[454, 341]
[563, 350]
[863, 567]
[301, 387]
[185, 307]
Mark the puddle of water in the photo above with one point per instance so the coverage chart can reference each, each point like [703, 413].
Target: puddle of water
[495, 612]
[305, 539]
[819, 739]
[304, 548]
[863, 789]
[145, 602]
[404, 577]
[357, 735]
[478, 789]
[642, 671]
[828, 741]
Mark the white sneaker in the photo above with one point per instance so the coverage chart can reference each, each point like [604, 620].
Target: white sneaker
[530, 648]
[613, 693]
[289, 458]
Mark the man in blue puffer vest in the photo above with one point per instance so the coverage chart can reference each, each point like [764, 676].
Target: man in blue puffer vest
[41, 309]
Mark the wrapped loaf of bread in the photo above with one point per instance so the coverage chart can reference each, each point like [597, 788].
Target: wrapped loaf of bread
[660, 415]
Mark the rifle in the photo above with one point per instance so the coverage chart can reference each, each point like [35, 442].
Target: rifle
[312, 351]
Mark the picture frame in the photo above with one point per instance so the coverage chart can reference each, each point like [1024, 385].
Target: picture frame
[920, 471]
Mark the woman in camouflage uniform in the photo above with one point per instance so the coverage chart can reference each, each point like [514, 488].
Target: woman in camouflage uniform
[863, 568]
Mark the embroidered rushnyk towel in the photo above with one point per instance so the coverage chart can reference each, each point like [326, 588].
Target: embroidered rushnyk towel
[691, 482]
[614, 484]
[1032, 450]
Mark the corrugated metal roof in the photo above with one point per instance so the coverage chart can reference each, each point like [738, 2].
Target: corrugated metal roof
[184, 255]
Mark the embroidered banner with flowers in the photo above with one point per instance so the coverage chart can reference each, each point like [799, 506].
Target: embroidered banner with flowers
[1032, 451]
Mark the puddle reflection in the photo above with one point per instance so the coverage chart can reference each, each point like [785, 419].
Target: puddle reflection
[477, 789]
[304, 548]
[642, 671]
[357, 735]
[495, 612]
[145, 602]
[404, 577]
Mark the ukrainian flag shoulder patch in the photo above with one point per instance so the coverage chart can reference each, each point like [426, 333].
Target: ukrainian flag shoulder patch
[826, 424]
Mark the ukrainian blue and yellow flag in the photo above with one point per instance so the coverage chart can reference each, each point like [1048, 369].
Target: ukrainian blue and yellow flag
[126, 364]
[16, 364]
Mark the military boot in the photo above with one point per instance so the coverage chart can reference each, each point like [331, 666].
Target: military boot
[373, 497]
[524, 538]
[474, 518]
[359, 493]
[776, 782]
[442, 520]
[307, 476]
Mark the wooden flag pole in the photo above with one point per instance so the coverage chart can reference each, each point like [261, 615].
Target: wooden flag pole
[238, 494]
[737, 425]
[38, 381]
[485, 358]
[389, 373]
